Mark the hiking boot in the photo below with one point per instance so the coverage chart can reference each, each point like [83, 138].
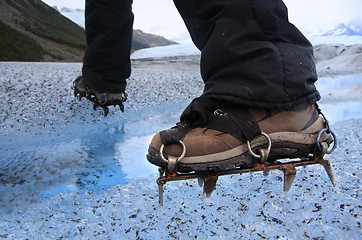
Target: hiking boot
[99, 99]
[234, 138]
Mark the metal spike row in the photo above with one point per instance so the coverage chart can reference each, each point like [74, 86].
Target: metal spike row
[209, 181]
[96, 105]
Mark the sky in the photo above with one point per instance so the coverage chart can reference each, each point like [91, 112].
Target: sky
[310, 16]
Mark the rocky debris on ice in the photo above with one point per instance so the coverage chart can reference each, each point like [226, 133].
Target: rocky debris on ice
[66, 172]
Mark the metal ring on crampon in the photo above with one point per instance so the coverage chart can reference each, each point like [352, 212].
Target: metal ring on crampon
[319, 145]
[269, 145]
[173, 161]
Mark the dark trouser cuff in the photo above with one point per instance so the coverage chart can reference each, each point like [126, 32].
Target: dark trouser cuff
[104, 83]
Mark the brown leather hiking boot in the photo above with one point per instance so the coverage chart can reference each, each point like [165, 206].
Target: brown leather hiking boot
[99, 99]
[287, 134]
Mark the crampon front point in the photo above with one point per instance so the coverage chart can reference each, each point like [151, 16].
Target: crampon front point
[103, 100]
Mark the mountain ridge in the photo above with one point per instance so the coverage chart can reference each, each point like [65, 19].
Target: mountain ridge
[140, 39]
[350, 29]
[31, 30]
[40, 27]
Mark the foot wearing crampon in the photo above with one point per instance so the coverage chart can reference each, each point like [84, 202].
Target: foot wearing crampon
[233, 137]
[99, 99]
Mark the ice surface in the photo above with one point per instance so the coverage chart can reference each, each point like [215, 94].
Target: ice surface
[248, 206]
[346, 40]
[338, 59]
[341, 97]
[184, 49]
[68, 172]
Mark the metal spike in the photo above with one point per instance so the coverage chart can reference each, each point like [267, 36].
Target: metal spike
[289, 176]
[209, 184]
[160, 194]
[327, 166]
[106, 111]
[160, 186]
[200, 181]
[121, 107]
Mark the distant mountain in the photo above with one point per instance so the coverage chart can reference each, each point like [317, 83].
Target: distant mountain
[347, 30]
[140, 39]
[145, 40]
[30, 30]
[65, 9]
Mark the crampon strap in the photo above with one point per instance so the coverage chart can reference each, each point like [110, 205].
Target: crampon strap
[237, 121]
[174, 135]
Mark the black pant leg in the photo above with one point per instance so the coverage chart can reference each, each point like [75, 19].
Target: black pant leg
[250, 53]
[106, 62]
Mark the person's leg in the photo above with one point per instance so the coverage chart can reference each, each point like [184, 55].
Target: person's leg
[250, 53]
[106, 62]
[259, 79]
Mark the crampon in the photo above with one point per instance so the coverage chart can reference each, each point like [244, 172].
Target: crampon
[208, 180]
[102, 100]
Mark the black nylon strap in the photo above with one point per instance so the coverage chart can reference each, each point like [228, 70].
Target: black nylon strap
[226, 125]
[174, 135]
[244, 121]
[238, 123]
